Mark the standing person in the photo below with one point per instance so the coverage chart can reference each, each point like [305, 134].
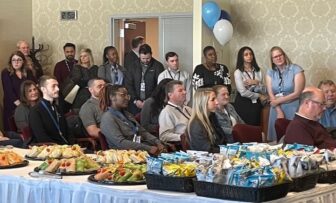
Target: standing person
[120, 128]
[175, 116]
[225, 113]
[149, 115]
[12, 77]
[211, 73]
[133, 55]
[29, 96]
[305, 128]
[203, 128]
[251, 90]
[328, 118]
[23, 46]
[81, 74]
[174, 72]
[64, 67]
[284, 82]
[142, 78]
[111, 71]
[45, 120]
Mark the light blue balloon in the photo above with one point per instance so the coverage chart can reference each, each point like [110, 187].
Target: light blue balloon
[210, 13]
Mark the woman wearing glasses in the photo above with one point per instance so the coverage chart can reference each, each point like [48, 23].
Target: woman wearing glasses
[120, 128]
[111, 71]
[284, 82]
[12, 77]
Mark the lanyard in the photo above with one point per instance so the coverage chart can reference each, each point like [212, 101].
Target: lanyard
[227, 112]
[187, 117]
[248, 75]
[56, 123]
[179, 74]
[115, 74]
[281, 82]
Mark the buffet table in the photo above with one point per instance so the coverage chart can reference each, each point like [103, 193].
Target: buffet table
[17, 186]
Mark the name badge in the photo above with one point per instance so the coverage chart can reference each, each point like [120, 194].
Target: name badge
[279, 94]
[142, 87]
[137, 138]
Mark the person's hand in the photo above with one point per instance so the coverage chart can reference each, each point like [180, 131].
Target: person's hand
[161, 148]
[4, 138]
[274, 102]
[139, 104]
[249, 82]
[154, 150]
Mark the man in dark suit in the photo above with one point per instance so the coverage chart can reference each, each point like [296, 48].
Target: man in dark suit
[46, 121]
[141, 78]
[133, 55]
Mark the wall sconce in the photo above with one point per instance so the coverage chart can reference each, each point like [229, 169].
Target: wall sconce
[69, 15]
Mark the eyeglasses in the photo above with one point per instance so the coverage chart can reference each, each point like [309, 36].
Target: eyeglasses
[124, 95]
[322, 104]
[277, 56]
[17, 60]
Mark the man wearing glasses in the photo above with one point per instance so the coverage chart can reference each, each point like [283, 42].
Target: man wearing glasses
[305, 128]
[328, 118]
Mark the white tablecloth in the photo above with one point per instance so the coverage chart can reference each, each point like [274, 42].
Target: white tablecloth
[18, 187]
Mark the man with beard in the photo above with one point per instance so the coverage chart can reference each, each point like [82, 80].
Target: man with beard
[328, 118]
[46, 121]
[90, 112]
[305, 128]
[64, 67]
[142, 77]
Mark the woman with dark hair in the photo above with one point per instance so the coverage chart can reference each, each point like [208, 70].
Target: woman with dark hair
[211, 73]
[204, 131]
[12, 77]
[251, 91]
[149, 115]
[29, 96]
[81, 74]
[120, 128]
[111, 71]
[284, 82]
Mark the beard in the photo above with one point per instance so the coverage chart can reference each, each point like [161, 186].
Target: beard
[70, 57]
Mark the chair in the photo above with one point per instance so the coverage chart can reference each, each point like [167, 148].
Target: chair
[246, 133]
[280, 127]
[102, 141]
[12, 124]
[185, 142]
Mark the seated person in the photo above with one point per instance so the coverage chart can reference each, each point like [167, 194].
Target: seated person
[11, 138]
[175, 116]
[120, 128]
[90, 113]
[149, 115]
[305, 128]
[225, 113]
[29, 96]
[203, 129]
[328, 118]
[45, 120]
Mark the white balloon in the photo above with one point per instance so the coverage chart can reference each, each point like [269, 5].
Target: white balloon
[223, 31]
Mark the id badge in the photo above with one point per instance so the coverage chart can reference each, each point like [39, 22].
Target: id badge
[137, 138]
[279, 94]
[142, 87]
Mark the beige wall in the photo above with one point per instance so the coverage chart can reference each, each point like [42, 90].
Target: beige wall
[92, 29]
[305, 29]
[15, 24]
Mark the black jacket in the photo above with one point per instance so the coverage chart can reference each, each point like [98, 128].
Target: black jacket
[43, 127]
[133, 78]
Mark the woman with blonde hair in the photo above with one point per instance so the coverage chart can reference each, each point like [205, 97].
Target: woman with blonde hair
[81, 74]
[203, 129]
[284, 81]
